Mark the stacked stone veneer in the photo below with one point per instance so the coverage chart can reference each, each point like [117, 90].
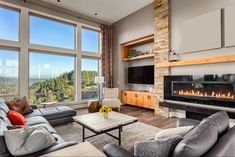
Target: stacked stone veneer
[161, 49]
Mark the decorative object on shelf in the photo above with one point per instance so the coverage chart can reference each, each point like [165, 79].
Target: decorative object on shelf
[99, 80]
[105, 110]
[173, 57]
[135, 53]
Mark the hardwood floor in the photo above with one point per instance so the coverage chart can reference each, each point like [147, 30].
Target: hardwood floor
[144, 115]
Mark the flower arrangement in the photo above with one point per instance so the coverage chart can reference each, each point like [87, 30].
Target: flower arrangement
[105, 110]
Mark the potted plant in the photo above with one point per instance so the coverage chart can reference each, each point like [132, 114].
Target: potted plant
[105, 110]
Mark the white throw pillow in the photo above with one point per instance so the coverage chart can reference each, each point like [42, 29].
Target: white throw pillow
[173, 131]
[27, 140]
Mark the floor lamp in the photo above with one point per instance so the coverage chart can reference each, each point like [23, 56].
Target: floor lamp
[99, 80]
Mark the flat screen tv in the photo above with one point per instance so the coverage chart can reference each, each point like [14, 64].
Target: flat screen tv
[141, 75]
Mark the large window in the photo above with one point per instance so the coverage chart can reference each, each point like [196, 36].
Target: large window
[9, 73]
[90, 40]
[90, 69]
[51, 33]
[51, 78]
[9, 24]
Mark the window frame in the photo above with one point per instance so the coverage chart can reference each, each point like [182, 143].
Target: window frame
[57, 54]
[19, 27]
[99, 73]
[99, 41]
[19, 80]
[24, 47]
[53, 20]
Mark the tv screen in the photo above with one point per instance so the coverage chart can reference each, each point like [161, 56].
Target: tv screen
[141, 75]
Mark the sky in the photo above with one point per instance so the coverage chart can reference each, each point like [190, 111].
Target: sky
[49, 33]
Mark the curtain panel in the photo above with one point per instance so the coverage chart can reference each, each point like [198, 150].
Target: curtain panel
[107, 55]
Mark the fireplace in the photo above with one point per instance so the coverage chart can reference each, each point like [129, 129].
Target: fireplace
[218, 90]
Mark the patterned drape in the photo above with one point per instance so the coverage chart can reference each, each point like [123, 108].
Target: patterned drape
[107, 55]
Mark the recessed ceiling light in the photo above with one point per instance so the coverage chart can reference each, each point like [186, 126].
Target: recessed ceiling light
[95, 14]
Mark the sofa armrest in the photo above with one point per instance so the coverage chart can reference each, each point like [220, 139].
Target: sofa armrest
[112, 150]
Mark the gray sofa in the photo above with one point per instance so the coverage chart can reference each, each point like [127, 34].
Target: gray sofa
[223, 146]
[47, 117]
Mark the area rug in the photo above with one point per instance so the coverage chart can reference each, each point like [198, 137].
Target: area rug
[130, 134]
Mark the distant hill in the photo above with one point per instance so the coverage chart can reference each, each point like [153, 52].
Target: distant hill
[9, 81]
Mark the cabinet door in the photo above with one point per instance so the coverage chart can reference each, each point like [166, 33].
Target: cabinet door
[129, 98]
[134, 98]
[153, 102]
[147, 101]
[140, 100]
[124, 97]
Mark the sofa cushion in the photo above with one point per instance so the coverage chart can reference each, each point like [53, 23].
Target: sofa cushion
[20, 105]
[4, 107]
[173, 131]
[16, 118]
[57, 112]
[197, 141]
[3, 148]
[36, 112]
[156, 148]
[28, 140]
[221, 120]
[35, 120]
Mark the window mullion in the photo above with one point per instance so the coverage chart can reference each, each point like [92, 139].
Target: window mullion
[24, 54]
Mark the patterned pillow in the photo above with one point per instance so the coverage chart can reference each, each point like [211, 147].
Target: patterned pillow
[20, 105]
[157, 148]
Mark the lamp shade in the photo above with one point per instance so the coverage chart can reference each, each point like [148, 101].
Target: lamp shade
[99, 79]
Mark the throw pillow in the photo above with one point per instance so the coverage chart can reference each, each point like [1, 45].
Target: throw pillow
[28, 140]
[20, 105]
[16, 118]
[159, 147]
[197, 141]
[173, 131]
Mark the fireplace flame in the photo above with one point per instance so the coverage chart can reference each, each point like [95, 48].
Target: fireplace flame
[213, 94]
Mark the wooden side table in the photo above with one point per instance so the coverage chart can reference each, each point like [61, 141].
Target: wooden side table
[84, 149]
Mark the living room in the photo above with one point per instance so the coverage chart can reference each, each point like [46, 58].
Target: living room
[117, 78]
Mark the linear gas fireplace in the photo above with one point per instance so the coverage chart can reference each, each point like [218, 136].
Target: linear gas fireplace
[216, 90]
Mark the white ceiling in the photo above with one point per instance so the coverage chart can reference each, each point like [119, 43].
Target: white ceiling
[108, 11]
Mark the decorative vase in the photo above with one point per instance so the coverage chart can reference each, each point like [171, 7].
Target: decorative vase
[105, 115]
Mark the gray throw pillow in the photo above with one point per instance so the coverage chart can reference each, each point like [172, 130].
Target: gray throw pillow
[197, 141]
[173, 131]
[28, 140]
[156, 148]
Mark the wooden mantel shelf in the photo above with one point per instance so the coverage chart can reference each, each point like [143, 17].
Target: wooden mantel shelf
[221, 59]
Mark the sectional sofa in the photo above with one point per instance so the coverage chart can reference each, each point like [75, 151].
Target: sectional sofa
[47, 117]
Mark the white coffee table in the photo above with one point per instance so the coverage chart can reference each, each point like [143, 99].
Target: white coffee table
[98, 125]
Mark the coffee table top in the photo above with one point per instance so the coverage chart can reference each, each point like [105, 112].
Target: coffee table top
[96, 122]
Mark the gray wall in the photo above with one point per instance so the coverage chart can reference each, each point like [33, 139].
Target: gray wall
[182, 10]
[132, 27]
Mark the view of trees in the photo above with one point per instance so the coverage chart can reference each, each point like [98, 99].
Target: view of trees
[62, 88]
